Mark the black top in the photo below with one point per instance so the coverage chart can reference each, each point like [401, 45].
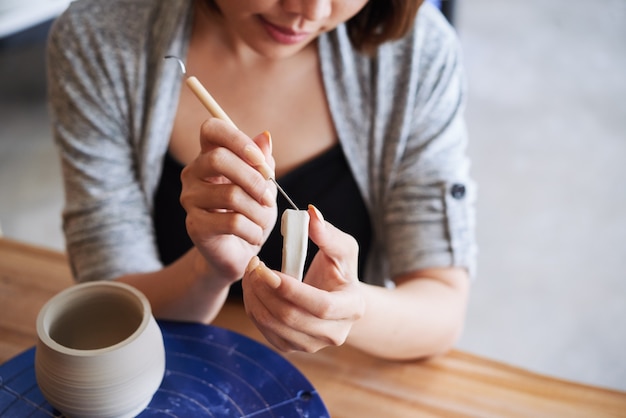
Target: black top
[325, 181]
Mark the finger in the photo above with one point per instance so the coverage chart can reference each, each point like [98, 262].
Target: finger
[219, 164]
[226, 197]
[264, 142]
[341, 248]
[342, 303]
[294, 342]
[309, 334]
[321, 304]
[262, 273]
[217, 133]
[283, 324]
[200, 223]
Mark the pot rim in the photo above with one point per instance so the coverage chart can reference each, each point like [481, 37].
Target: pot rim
[43, 327]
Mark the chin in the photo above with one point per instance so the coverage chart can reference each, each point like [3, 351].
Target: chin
[271, 50]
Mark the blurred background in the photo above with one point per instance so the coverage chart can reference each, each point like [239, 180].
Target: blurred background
[547, 121]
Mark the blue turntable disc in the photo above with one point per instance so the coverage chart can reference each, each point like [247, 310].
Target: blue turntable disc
[210, 372]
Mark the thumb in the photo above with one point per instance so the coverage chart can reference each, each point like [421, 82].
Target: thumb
[340, 248]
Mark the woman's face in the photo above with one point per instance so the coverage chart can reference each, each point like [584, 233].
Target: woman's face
[281, 28]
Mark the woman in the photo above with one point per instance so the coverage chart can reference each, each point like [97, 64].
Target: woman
[364, 104]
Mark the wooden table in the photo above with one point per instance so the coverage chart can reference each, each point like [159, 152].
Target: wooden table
[352, 384]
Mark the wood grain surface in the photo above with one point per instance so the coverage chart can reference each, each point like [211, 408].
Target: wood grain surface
[351, 383]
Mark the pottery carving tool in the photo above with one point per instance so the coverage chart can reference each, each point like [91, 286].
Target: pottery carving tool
[294, 226]
[216, 111]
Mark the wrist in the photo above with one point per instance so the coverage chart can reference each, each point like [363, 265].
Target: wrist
[205, 275]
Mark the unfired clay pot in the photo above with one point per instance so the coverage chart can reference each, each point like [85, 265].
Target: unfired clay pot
[99, 351]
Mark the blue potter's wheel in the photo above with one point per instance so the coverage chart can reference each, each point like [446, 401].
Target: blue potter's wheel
[210, 372]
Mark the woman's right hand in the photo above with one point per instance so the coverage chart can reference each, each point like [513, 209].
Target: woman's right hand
[231, 207]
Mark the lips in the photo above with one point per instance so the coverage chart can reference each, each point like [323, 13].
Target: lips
[283, 35]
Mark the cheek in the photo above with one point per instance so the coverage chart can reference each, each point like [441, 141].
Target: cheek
[343, 11]
[241, 8]
[349, 8]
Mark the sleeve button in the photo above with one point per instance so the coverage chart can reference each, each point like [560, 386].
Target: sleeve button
[458, 191]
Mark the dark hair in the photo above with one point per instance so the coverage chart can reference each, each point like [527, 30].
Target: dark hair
[381, 21]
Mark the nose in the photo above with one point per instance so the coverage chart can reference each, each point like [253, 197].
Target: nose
[309, 9]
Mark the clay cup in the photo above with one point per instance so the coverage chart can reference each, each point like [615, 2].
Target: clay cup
[99, 351]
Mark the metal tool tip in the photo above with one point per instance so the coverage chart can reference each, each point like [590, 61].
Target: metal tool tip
[287, 198]
[180, 63]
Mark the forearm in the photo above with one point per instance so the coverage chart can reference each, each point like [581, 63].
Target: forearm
[183, 290]
[421, 317]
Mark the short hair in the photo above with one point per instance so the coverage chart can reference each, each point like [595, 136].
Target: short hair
[381, 21]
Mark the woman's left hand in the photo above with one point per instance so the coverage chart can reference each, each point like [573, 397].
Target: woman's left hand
[318, 312]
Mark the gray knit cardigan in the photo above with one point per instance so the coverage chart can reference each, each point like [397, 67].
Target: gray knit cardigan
[398, 115]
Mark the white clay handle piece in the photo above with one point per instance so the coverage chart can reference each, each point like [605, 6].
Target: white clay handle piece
[294, 227]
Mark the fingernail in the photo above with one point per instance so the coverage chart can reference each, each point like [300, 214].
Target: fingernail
[265, 171]
[268, 198]
[317, 214]
[257, 159]
[252, 264]
[269, 276]
[254, 155]
[268, 136]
